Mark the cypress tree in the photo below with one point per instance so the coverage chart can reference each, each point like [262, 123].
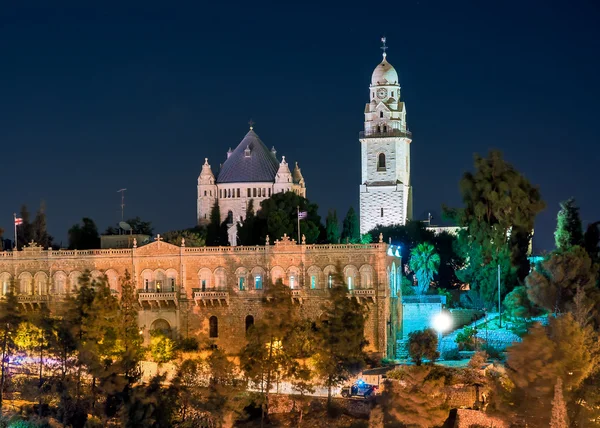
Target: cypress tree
[350, 229]
[332, 227]
[568, 226]
[212, 231]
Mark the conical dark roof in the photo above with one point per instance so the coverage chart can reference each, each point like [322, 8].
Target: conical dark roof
[250, 162]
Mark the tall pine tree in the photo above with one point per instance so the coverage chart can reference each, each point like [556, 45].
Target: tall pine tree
[351, 228]
[10, 318]
[568, 226]
[332, 227]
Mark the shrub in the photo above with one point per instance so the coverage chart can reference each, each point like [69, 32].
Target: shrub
[189, 344]
[467, 339]
[422, 344]
[407, 287]
[491, 351]
[451, 355]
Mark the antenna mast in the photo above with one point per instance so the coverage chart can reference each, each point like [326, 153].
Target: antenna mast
[122, 192]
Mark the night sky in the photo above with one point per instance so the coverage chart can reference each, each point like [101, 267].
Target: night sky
[93, 100]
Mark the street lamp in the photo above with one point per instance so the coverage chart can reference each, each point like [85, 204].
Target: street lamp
[441, 322]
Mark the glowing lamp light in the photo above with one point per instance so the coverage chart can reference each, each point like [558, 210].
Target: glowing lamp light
[398, 252]
[441, 322]
[390, 252]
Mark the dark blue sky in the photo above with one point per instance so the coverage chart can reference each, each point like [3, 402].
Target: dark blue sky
[96, 99]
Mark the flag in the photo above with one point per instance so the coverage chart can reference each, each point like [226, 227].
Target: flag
[18, 221]
[302, 215]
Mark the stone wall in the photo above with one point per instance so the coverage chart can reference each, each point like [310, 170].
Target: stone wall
[182, 288]
[417, 316]
[469, 418]
[463, 317]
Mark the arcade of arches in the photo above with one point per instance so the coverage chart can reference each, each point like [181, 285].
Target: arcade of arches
[216, 292]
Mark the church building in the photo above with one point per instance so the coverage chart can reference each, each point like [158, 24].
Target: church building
[250, 172]
[385, 190]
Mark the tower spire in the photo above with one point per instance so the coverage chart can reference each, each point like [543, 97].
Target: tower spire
[383, 46]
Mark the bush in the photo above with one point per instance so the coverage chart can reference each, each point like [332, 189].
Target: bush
[467, 339]
[387, 362]
[491, 351]
[422, 344]
[407, 287]
[451, 355]
[189, 344]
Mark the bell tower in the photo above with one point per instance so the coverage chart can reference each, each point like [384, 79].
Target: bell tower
[385, 191]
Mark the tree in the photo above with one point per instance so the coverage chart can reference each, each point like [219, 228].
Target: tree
[84, 236]
[138, 227]
[162, 348]
[500, 206]
[568, 226]
[563, 349]
[351, 227]
[278, 215]
[332, 227]
[10, 319]
[517, 304]
[25, 230]
[425, 262]
[413, 396]
[247, 229]
[553, 284]
[267, 357]
[39, 231]
[423, 344]
[591, 241]
[339, 339]
[559, 408]
[216, 232]
[192, 239]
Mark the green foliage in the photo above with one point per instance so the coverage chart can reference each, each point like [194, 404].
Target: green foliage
[332, 227]
[162, 348]
[591, 241]
[418, 400]
[366, 238]
[425, 263]
[39, 228]
[84, 236]
[491, 351]
[10, 321]
[564, 350]
[517, 304]
[150, 405]
[553, 284]
[467, 339]
[500, 206]
[340, 342]
[451, 355]
[216, 232]
[138, 227]
[267, 355]
[192, 237]
[188, 344]
[278, 215]
[422, 344]
[407, 287]
[350, 228]
[25, 230]
[568, 226]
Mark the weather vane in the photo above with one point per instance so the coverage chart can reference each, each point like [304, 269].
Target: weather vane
[251, 123]
[383, 47]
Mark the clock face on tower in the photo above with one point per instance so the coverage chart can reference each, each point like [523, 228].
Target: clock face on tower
[381, 93]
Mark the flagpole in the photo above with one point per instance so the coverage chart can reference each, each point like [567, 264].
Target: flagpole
[298, 212]
[15, 224]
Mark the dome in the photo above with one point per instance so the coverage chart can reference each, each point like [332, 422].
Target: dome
[384, 74]
[251, 161]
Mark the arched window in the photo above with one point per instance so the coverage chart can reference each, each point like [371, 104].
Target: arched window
[380, 114]
[213, 327]
[249, 322]
[384, 128]
[381, 162]
[230, 217]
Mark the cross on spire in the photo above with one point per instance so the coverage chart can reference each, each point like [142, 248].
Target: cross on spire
[383, 46]
[251, 123]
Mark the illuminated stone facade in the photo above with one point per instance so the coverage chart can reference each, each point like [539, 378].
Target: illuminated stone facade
[216, 292]
[251, 171]
[385, 191]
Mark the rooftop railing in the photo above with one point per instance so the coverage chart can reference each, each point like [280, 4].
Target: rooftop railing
[386, 133]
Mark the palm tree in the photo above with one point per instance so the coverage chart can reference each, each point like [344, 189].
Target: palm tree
[425, 263]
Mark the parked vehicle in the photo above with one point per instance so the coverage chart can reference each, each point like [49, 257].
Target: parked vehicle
[359, 389]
